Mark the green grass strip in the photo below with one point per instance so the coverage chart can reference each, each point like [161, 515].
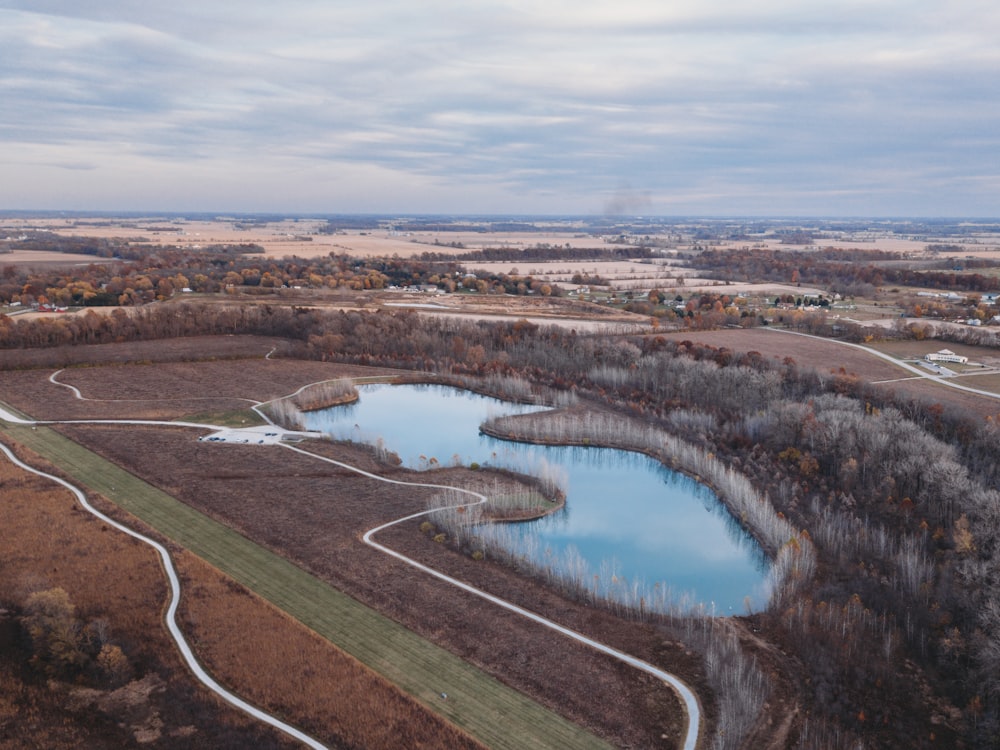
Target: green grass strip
[491, 712]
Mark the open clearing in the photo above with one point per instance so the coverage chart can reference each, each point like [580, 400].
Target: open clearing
[917, 350]
[475, 702]
[314, 515]
[297, 237]
[298, 516]
[33, 258]
[624, 275]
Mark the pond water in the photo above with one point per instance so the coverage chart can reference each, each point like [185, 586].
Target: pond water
[627, 519]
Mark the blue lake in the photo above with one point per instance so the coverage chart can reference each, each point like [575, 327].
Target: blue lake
[630, 518]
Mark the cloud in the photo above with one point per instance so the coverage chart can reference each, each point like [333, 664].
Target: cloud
[718, 107]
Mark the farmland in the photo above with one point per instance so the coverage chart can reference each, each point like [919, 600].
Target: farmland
[885, 475]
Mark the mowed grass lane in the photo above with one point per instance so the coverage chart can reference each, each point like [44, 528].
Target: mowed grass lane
[493, 713]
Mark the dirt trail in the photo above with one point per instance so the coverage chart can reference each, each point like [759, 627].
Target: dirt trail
[781, 713]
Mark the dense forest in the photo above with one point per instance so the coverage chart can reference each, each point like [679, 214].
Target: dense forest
[897, 632]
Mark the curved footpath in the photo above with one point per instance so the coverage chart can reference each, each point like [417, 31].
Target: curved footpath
[175, 597]
[687, 696]
[53, 378]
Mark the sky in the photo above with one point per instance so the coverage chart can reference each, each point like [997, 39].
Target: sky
[631, 107]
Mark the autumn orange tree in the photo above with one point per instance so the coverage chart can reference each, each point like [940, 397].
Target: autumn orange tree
[63, 646]
[56, 637]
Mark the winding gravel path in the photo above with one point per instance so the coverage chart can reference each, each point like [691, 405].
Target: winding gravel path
[687, 696]
[175, 597]
[53, 378]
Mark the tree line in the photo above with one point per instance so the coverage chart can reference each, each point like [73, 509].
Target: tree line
[898, 628]
[128, 274]
[843, 271]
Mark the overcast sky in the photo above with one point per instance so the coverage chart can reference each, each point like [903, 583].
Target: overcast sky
[671, 107]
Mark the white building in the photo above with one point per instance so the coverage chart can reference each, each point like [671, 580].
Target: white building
[946, 355]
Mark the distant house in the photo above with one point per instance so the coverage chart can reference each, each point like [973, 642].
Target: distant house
[946, 355]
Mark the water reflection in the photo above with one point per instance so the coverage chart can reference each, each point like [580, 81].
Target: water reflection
[627, 517]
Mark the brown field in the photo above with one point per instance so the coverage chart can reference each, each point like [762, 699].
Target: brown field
[272, 660]
[299, 237]
[415, 243]
[984, 247]
[830, 357]
[314, 513]
[49, 541]
[563, 311]
[162, 391]
[627, 275]
[293, 237]
[544, 310]
[193, 348]
[33, 258]
[824, 356]
[917, 350]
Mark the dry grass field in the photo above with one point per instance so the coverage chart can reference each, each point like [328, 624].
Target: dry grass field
[164, 390]
[260, 652]
[294, 237]
[174, 350]
[420, 668]
[314, 514]
[38, 258]
[289, 237]
[824, 356]
[276, 662]
[49, 542]
[665, 274]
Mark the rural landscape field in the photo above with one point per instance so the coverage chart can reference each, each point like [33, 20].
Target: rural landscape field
[499, 375]
[832, 388]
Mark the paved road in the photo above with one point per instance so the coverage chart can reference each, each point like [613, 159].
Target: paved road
[947, 381]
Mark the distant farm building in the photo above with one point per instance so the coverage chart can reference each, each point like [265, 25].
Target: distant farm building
[946, 355]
